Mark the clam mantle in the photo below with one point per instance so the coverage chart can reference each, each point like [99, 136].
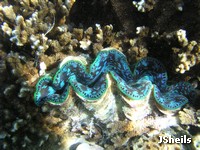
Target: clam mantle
[92, 83]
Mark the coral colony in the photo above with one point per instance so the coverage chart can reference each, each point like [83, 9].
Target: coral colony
[108, 101]
[91, 83]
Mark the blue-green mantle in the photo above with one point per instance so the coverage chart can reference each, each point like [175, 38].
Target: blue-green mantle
[91, 84]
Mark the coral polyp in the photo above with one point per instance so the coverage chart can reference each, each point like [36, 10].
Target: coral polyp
[91, 83]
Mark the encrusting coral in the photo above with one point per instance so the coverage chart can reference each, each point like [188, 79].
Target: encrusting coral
[148, 142]
[189, 116]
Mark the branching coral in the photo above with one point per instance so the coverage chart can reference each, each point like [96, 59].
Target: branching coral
[188, 55]
[43, 28]
[144, 5]
[31, 24]
[40, 33]
[185, 54]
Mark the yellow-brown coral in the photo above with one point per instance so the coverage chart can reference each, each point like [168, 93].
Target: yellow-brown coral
[152, 143]
[187, 116]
